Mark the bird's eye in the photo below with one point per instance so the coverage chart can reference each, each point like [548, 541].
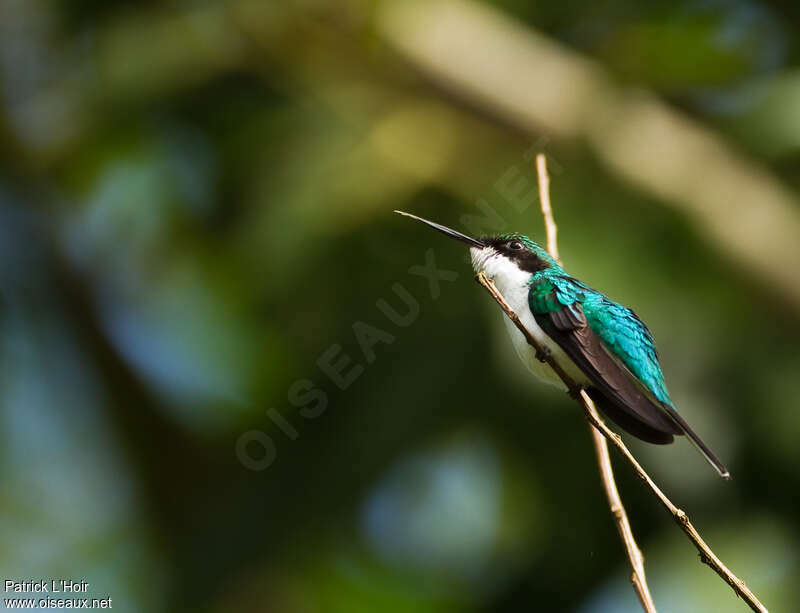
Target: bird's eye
[515, 245]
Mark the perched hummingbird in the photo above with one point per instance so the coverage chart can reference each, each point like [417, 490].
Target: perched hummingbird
[603, 346]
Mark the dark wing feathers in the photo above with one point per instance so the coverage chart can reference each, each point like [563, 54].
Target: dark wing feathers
[630, 408]
[625, 420]
[569, 318]
[617, 391]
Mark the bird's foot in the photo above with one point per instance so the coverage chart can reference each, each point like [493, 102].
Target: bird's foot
[544, 354]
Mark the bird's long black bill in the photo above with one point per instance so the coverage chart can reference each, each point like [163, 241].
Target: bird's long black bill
[446, 231]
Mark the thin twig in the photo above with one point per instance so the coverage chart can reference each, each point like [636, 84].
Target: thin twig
[635, 557]
[706, 555]
[547, 210]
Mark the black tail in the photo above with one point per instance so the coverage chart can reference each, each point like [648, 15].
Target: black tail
[697, 442]
[649, 434]
[629, 423]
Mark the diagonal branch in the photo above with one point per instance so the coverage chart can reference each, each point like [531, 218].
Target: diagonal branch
[707, 556]
[547, 210]
[635, 557]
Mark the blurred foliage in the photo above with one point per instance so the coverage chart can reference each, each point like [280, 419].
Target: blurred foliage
[195, 203]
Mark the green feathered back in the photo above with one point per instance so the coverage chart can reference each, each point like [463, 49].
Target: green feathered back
[622, 332]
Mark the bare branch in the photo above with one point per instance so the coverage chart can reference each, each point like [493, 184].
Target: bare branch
[447, 40]
[635, 557]
[547, 210]
[638, 577]
[707, 556]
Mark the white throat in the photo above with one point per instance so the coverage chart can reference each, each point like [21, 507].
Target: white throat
[510, 279]
[513, 284]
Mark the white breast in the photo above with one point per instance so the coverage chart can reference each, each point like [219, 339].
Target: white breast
[512, 283]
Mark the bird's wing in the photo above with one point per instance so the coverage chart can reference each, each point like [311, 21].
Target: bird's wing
[558, 311]
[617, 353]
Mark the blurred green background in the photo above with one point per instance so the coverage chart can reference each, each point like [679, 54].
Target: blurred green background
[195, 214]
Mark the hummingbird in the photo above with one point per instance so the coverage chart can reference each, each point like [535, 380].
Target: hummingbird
[603, 346]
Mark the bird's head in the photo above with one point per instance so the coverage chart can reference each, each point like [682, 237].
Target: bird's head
[508, 259]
